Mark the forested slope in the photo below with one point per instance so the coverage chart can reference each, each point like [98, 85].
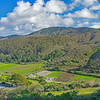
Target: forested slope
[58, 46]
[56, 50]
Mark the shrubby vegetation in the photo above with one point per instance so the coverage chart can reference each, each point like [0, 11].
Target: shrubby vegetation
[19, 79]
[27, 88]
[27, 94]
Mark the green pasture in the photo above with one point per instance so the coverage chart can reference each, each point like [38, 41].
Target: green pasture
[87, 91]
[54, 74]
[21, 69]
[86, 78]
[83, 91]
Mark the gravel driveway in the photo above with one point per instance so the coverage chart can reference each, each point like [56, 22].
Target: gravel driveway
[43, 73]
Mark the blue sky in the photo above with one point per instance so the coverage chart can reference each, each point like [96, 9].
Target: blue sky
[25, 16]
[7, 6]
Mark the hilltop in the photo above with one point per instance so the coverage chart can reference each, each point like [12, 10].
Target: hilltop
[82, 34]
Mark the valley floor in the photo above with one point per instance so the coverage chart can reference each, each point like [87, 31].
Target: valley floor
[47, 82]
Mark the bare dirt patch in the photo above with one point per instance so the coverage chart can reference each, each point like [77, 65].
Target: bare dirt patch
[65, 77]
[43, 73]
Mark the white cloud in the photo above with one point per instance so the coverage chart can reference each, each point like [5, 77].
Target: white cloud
[16, 28]
[68, 21]
[28, 17]
[2, 28]
[95, 7]
[85, 3]
[56, 6]
[82, 24]
[95, 25]
[84, 13]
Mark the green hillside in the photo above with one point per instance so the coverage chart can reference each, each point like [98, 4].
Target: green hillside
[82, 34]
[55, 50]
[58, 46]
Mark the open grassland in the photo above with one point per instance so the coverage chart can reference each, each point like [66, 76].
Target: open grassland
[54, 74]
[21, 69]
[68, 77]
[87, 91]
[82, 77]
[58, 75]
[83, 91]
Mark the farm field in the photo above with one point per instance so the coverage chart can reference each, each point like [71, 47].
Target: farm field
[63, 82]
[67, 77]
[85, 78]
[18, 68]
[31, 68]
[82, 91]
[87, 91]
[54, 74]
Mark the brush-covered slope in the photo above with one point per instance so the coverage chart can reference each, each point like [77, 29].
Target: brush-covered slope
[55, 50]
[62, 31]
[83, 34]
[58, 46]
[93, 64]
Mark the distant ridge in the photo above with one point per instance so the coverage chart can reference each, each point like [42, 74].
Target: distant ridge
[10, 36]
[81, 34]
[13, 36]
[61, 30]
[56, 31]
[48, 31]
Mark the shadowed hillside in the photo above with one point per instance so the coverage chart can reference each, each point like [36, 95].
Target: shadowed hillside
[94, 63]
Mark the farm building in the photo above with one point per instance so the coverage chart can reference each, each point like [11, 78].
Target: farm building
[49, 79]
[31, 75]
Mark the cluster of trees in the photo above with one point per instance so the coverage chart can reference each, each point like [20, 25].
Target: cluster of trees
[70, 86]
[14, 80]
[28, 94]
[19, 80]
